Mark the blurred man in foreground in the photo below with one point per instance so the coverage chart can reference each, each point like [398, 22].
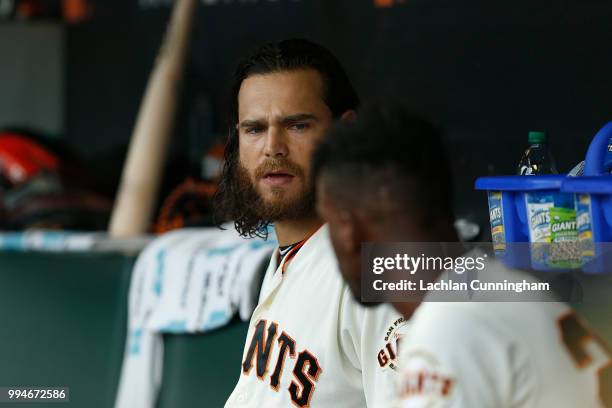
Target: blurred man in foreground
[386, 178]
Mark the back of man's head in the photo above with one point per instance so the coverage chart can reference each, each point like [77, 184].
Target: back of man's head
[390, 164]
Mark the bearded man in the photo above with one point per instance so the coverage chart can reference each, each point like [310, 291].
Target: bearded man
[310, 343]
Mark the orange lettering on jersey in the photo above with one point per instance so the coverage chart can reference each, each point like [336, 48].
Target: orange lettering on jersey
[574, 335]
[286, 343]
[391, 352]
[383, 359]
[387, 356]
[306, 371]
[388, 353]
[260, 347]
[605, 384]
[447, 384]
[425, 383]
[420, 382]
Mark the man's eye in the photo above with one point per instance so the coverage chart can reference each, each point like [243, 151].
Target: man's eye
[253, 130]
[299, 126]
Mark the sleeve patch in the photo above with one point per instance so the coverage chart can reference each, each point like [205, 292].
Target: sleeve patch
[388, 354]
[423, 381]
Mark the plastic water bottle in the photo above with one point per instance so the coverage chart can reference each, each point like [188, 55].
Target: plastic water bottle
[537, 159]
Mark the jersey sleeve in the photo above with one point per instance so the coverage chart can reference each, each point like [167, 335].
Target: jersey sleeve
[369, 337]
[454, 359]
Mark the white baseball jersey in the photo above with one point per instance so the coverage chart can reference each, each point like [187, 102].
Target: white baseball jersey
[310, 344]
[536, 355]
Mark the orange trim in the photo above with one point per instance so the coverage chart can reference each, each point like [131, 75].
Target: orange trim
[293, 251]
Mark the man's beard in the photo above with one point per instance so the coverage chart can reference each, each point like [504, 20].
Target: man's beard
[283, 206]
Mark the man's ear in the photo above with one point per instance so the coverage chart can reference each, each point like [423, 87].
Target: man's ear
[349, 116]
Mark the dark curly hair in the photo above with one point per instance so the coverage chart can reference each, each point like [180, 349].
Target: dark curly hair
[231, 201]
[391, 147]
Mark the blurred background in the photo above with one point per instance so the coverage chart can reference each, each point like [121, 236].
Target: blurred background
[73, 74]
[72, 77]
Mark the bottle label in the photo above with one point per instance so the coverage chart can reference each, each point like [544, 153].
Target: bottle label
[538, 215]
[564, 251]
[584, 227]
[496, 217]
[553, 230]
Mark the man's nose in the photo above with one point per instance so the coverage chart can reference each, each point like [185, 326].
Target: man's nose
[276, 143]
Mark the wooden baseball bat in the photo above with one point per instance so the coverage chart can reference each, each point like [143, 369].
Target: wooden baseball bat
[143, 168]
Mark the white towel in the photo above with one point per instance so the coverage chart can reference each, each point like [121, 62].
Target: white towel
[186, 281]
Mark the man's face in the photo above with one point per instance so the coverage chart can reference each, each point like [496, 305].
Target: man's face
[341, 232]
[281, 118]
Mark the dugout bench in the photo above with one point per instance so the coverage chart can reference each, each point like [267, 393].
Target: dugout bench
[63, 323]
